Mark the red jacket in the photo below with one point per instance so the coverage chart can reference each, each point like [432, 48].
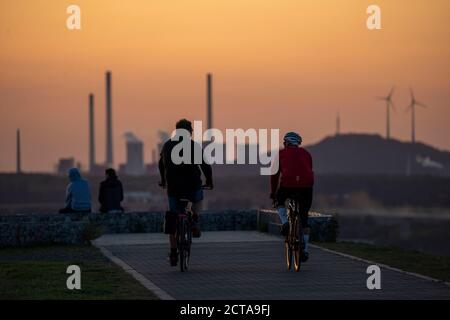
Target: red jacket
[295, 169]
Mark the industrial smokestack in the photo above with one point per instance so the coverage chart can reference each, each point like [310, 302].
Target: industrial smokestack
[91, 134]
[209, 100]
[19, 164]
[109, 139]
[154, 156]
[338, 124]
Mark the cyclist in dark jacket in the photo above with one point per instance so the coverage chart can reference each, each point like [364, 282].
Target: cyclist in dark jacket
[183, 180]
[110, 194]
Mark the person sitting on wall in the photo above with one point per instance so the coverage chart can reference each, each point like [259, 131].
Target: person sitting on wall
[110, 194]
[78, 194]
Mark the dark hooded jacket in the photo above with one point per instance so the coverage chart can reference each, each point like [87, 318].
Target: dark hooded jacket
[111, 194]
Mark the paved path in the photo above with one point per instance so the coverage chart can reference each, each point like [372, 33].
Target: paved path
[250, 265]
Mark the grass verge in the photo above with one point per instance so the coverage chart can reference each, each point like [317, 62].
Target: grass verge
[40, 273]
[437, 267]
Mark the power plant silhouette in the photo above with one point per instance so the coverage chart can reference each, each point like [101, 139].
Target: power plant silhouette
[134, 146]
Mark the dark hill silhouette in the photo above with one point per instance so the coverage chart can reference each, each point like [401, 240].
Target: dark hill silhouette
[363, 154]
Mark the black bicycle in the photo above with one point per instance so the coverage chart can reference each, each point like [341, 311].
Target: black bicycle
[294, 243]
[184, 232]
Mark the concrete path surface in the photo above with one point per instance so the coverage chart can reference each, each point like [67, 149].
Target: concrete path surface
[250, 265]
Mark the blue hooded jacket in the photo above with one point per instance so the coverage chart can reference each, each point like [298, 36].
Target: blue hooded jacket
[78, 193]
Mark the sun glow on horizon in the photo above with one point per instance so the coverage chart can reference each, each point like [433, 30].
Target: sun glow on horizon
[277, 64]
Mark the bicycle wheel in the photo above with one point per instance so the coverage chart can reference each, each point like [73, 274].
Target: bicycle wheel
[288, 253]
[181, 244]
[185, 245]
[298, 244]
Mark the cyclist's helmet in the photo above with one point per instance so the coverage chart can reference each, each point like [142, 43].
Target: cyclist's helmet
[293, 139]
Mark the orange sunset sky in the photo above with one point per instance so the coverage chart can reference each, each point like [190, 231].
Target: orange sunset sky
[288, 64]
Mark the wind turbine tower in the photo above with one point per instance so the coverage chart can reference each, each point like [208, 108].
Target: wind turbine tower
[412, 107]
[389, 105]
[338, 124]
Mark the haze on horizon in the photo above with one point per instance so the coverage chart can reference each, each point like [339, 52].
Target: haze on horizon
[284, 64]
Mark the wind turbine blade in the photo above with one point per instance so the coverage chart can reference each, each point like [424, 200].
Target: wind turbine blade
[420, 104]
[412, 94]
[409, 107]
[391, 92]
[393, 106]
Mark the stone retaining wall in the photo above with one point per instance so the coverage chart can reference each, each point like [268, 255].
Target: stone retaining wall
[18, 230]
[81, 228]
[324, 228]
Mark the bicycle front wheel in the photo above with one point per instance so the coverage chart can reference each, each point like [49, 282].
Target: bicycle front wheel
[298, 241]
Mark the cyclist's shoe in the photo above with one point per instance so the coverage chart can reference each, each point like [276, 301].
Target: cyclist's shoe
[173, 257]
[284, 230]
[195, 229]
[305, 256]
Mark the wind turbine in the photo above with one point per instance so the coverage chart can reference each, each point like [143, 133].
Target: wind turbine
[389, 105]
[338, 123]
[412, 107]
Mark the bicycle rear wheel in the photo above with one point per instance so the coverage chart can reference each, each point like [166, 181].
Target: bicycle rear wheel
[297, 243]
[187, 245]
[288, 253]
[288, 243]
[181, 235]
[184, 245]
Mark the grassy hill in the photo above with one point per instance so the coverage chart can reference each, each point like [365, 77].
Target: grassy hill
[362, 154]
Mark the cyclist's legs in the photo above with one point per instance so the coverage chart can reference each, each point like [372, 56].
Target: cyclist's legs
[175, 205]
[196, 199]
[197, 207]
[282, 196]
[305, 201]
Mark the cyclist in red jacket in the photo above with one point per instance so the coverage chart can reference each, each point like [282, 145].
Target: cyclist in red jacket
[294, 179]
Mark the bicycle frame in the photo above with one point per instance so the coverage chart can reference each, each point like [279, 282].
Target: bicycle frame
[184, 235]
[294, 240]
[184, 231]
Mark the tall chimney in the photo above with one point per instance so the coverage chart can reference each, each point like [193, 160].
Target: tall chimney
[109, 139]
[338, 124]
[154, 156]
[91, 134]
[19, 164]
[209, 100]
